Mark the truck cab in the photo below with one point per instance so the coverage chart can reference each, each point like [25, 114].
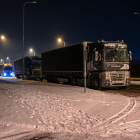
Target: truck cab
[108, 63]
[7, 70]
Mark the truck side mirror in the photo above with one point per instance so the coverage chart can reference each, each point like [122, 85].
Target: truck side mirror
[130, 55]
[96, 55]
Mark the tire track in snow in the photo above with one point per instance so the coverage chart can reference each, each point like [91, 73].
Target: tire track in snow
[131, 108]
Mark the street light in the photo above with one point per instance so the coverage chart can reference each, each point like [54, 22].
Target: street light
[136, 13]
[2, 37]
[23, 35]
[9, 59]
[60, 40]
[2, 60]
[32, 50]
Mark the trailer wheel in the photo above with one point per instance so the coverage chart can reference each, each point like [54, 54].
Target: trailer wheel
[96, 84]
[73, 82]
[48, 78]
[55, 79]
[17, 76]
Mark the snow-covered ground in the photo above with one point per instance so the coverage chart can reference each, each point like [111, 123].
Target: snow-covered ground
[27, 112]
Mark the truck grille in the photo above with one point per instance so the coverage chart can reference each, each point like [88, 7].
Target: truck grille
[117, 76]
[37, 72]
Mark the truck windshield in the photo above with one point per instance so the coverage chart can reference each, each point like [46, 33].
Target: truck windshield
[8, 69]
[36, 65]
[119, 54]
[36, 62]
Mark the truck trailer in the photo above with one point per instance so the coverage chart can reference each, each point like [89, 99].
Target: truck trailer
[100, 64]
[32, 67]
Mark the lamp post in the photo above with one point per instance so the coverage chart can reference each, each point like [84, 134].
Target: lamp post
[23, 34]
[2, 60]
[9, 59]
[60, 40]
[32, 50]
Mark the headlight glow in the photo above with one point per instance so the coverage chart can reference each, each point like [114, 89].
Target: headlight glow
[4, 74]
[127, 74]
[107, 75]
[11, 74]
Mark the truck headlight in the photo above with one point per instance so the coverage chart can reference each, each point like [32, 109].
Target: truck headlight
[107, 81]
[4, 74]
[107, 75]
[127, 74]
[127, 80]
[11, 74]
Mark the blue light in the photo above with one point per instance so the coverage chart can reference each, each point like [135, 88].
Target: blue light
[4, 74]
[11, 74]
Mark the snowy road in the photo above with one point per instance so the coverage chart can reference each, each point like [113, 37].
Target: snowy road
[29, 108]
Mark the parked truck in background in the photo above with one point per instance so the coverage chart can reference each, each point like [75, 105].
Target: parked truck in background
[6, 70]
[32, 67]
[106, 64]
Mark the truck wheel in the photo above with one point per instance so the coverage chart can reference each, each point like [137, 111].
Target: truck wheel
[74, 82]
[55, 79]
[48, 78]
[17, 76]
[96, 84]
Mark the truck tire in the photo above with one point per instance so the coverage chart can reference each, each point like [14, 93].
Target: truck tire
[55, 79]
[48, 78]
[96, 85]
[17, 76]
[73, 82]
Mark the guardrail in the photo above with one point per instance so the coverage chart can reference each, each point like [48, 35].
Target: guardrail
[134, 79]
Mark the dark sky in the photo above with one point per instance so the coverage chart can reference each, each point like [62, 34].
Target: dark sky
[73, 20]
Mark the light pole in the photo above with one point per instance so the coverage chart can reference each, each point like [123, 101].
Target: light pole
[23, 34]
[9, 59]
[32, 50]
[2, 60]
[60, 40]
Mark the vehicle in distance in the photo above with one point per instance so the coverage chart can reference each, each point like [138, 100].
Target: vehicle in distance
[32, 69]
[7, 70]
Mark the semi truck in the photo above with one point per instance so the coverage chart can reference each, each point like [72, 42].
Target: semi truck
[32, 67]
[6, 70]
[100, 64]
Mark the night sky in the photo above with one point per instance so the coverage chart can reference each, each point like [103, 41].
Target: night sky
[72, 20]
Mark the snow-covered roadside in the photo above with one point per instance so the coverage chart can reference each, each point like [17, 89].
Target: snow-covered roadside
[53, 114]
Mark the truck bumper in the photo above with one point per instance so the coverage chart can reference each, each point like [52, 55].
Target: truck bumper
[115, 79]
